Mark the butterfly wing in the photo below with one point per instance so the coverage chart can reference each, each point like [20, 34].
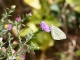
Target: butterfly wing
[56, 33]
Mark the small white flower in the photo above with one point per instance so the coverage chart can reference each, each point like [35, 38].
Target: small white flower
[1, 39]
[12, 58]
[13, 6]
[13, 51]
[30, 14]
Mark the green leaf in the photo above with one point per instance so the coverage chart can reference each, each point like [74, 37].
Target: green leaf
[24, 32]
[44, 39]
[76, 4]
[78, 52]
[77, 8]
[31, 26]
[73, 1]
[18, 58]
[55, 7]
[33, 3]
[53, 20]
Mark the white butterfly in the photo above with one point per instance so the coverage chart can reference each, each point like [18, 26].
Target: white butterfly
[56, 33]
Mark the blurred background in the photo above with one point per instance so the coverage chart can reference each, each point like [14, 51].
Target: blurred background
[64, 14]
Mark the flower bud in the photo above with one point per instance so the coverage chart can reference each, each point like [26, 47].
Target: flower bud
[13, 6]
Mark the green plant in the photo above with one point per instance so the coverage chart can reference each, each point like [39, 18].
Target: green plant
[15, 44]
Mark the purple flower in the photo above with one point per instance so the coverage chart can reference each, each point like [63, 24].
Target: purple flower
[18, 19]
[44, 26]
[22, 57]
[9, 27]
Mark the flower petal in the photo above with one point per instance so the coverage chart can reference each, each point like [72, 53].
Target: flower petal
[44, 26]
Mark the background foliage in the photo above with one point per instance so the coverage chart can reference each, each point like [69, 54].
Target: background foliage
[61, 13]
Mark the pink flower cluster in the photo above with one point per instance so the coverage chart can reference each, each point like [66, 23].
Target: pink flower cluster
[22, 57]
[17, 19]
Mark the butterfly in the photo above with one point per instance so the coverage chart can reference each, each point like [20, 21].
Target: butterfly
[57, 33]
